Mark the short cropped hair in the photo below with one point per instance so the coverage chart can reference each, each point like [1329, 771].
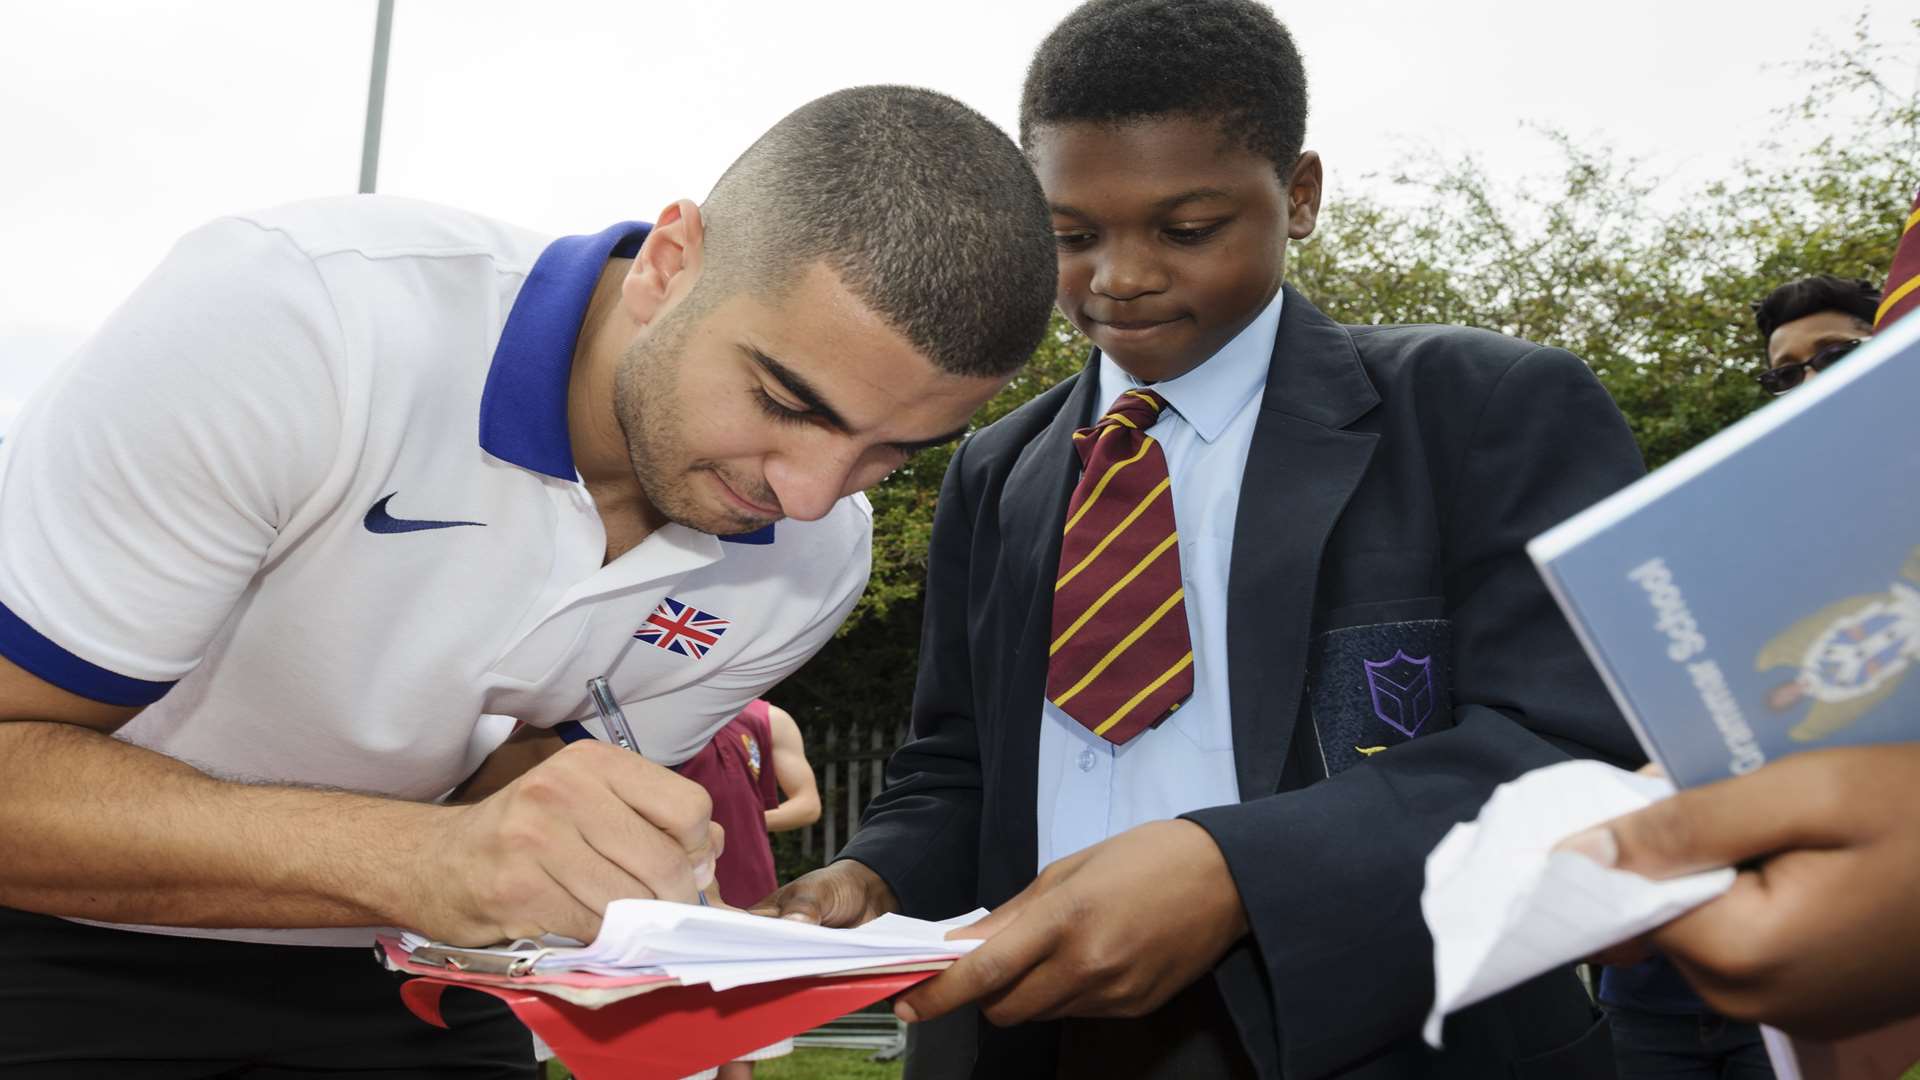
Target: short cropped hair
[926, 212]
[1812, 295]
[1112, 61]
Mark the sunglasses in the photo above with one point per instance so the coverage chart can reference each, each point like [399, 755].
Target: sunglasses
[1781, 379]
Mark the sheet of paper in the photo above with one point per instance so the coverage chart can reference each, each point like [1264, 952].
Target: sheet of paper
[637, 933]
[703, 945]
[727, 974]
[1503, 907]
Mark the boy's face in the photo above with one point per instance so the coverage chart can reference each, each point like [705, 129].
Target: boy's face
[1172, 238]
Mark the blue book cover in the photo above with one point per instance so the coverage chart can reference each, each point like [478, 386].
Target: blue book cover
[1760, 595]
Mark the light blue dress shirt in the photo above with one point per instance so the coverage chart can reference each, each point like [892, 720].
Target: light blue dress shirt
[1090, 789]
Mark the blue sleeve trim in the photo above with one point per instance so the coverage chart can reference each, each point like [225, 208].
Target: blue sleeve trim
[572, 731]
[38, 655]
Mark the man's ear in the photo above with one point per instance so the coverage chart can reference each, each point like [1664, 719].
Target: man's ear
[1303, 196]
[667, 264]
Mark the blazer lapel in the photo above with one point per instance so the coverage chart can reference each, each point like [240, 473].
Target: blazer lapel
[1302, 467]
[1033, 506]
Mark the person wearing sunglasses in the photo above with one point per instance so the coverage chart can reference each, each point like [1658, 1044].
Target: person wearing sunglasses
[1810, 324]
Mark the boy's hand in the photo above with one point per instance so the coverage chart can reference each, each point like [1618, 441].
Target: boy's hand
[1114, 930]
[1818, 934]
[847, 893]
[548, 853]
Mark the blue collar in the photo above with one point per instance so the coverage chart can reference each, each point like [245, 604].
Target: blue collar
[523, 410]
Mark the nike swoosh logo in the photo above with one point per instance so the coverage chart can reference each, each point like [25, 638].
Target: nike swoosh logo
[379, 521]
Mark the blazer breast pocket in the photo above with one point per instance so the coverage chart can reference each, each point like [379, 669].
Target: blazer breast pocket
[1375, 685]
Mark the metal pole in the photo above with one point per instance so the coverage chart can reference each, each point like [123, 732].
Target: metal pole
[376, 97]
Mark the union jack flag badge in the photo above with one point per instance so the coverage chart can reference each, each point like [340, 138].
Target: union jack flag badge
[682, 628]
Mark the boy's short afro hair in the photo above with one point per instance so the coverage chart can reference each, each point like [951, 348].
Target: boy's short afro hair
[1119, 60]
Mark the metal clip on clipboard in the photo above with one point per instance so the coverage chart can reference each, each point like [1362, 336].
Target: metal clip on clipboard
[480, 961]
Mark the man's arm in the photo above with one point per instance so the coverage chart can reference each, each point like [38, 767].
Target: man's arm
[101, 829]
[794, 773]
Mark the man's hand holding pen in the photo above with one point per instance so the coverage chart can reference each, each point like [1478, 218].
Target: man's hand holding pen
[548, 853]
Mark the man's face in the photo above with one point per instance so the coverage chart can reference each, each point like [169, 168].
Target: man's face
[1796, 341]
[751, 409]
[1171, 237]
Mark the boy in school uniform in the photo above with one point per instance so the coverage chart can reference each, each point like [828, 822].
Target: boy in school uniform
[1225, 632]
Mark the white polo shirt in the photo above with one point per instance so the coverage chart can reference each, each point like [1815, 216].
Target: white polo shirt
[309, 497]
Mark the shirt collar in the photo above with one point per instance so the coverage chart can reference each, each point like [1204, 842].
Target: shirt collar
[1211, 395]
[523, 410]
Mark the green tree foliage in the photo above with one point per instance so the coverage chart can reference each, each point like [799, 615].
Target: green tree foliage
[1652, 287]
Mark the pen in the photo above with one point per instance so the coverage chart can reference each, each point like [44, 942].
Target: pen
[615, 721]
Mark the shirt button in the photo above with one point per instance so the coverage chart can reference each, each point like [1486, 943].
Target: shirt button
[1086, 761]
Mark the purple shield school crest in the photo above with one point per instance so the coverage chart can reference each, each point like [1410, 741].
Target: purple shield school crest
[1402, 690]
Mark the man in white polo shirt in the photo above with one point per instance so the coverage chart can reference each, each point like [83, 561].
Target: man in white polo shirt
[348, 490]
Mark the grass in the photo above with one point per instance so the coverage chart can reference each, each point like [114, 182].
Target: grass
[805, 1064]
[818, 1064]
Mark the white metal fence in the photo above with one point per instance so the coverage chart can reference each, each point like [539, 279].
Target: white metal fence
[849, 763]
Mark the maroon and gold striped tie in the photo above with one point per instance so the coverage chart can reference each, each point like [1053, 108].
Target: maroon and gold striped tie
[1120, 660]
[1903, 280]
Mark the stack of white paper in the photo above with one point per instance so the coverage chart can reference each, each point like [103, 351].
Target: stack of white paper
[725, 949]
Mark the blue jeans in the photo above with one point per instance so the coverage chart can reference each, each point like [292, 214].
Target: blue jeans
[1686, 1046]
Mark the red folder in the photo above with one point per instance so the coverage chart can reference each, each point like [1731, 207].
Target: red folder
[649, 1027]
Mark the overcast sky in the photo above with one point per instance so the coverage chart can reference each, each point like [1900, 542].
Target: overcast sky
[124, 124]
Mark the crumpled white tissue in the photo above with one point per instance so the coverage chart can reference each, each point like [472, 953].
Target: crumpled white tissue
[1503, 908]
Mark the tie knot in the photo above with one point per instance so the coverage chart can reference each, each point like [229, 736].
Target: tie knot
[1125, 423]
[1137, 409]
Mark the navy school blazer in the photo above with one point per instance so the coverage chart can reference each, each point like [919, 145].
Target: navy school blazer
[1379, 596]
